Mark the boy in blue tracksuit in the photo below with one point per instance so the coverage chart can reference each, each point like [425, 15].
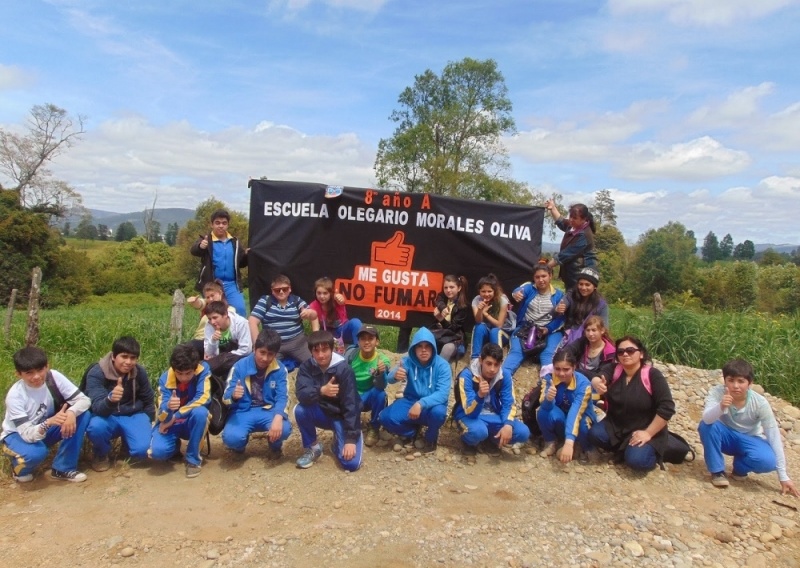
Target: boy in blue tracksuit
[258, 396]
[424, 403]
[184, 393]
[327, 398]
[485, 409]
[537, 307]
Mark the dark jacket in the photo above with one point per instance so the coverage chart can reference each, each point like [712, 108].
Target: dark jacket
[345, 406]
[577, 251]
[631, 407]
[137, 396]
[458, 320]
[207, 260]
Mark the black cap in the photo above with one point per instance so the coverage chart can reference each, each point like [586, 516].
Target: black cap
[370, 329]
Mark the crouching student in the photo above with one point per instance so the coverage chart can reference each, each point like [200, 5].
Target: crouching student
[566, 411]
[485, 410]
[184, 392]
[370, 368]
[739, 422]
[122, 403]
[258, 397]
[327, 398]
[43, 408]
[424, 403]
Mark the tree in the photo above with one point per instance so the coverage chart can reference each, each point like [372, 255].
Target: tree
[125, 232]
[664, 261]
[603, 208]
[771, 257]
[154, 232]
[66, 229]
[171, 236]
[24, 158]
[447, 140]
[103, 232]
[711, 250]
[86, 230]
[726, 247]
[744, 251]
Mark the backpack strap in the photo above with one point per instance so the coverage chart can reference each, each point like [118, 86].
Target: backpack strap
[644, 374]
[58, 398]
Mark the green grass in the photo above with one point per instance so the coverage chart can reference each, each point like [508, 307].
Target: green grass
[93, 249]
[707, 341]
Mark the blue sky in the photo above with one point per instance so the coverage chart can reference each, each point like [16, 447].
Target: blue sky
[685, 110]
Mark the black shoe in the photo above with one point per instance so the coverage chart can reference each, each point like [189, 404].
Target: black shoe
[429, 447]
[490, 449]
[469, 451]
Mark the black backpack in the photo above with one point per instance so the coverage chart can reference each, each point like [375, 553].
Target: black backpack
[217, 410]
[677, 450]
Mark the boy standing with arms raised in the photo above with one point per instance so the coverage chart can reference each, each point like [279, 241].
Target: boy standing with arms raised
[42, 408]
[738, 421]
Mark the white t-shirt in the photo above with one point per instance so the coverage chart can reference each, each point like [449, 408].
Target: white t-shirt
[27, 408]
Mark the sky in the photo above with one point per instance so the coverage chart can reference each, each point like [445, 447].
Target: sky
[685, 110]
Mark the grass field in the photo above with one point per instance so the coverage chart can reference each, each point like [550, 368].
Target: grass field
[93, 249]
[75, 337]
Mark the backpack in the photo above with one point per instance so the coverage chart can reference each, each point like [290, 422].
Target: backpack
[678, 449]
[217, 410]
[58, 398]
[530, 403]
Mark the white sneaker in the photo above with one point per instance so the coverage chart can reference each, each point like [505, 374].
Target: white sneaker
[27, 478]
[549, 450]
[73, 476]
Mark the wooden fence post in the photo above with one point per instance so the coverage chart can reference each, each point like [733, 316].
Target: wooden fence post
[176, 320]
[658, 305]
[32, 332]
[10, 314]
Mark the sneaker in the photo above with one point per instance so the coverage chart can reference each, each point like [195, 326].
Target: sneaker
[73, 476]
[372, 437]
[27, 478]
[719, 480]
[192, 470]
[429, 447]
[549, 449]
[311, 455]
[737, 477]
[469, 451]
[592, 456]
[275, 454]
[101, 463]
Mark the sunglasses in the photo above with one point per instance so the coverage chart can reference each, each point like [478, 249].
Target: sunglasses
[627, 351]
[281, 289]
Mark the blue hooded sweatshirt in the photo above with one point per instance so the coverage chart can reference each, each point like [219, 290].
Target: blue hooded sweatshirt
[427, 384]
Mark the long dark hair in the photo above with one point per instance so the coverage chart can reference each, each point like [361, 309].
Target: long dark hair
[461, 282]
[583, 212]
[579, 307]
[491, 280]
[638, 343]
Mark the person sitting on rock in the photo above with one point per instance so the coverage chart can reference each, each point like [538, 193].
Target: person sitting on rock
[184, 393]
[258, 396]
[424, 403]
[737, 421]
[485, 410]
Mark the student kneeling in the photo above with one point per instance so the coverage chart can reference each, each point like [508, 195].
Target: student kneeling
[184, 392]
[485, 410]
[327, 398]
[258, 397]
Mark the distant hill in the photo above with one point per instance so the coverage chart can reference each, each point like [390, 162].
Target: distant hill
[113, 220]
[777, 248]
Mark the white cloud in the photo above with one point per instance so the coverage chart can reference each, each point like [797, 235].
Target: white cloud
[779, 131]
[702, 12]
[738, 106]
[123, 163]
[13, 77]
[699, 159]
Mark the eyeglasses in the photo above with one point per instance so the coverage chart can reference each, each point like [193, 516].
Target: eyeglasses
[627, 351]
[280, 290]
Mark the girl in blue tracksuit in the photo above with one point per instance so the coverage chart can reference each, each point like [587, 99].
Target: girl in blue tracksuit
[537, 306]
[424, 403]
[565, 408]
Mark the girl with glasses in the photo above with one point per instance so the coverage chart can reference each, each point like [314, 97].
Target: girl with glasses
[638, 407]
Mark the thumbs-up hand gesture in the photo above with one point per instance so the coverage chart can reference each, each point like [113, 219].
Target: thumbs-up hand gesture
[116, 392]
[174, 402]
[551, 392]
[238, 391]
[400, 374]
[483, 388]
[330, 389]
[727, 399]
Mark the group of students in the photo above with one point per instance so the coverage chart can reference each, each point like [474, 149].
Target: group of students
[592, 392]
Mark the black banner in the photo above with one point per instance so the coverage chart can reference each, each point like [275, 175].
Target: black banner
[387, 252]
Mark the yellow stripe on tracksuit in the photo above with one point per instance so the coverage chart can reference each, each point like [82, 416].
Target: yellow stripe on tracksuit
[15, 458]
